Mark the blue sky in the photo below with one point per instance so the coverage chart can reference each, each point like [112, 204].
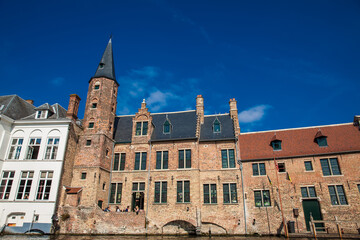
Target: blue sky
[287, 63]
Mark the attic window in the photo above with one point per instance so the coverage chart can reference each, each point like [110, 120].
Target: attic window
[321, 141]
[167, 126]
[41, 114]
[216, 126]
[101, 65]
[276, 145]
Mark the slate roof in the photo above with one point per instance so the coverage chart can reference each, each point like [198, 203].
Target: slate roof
[15, 107]
[183, 126]
[56, 111]
[300, 142]
[226, 125]
[123, 129]
[106, 66]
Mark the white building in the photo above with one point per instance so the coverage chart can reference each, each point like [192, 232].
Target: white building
[32, 150]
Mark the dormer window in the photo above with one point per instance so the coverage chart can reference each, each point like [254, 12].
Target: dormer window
[101, 65]
[41, 114]
[276, 145]
[141, 128]
[167, 127]
[321, 139]
[216, 126]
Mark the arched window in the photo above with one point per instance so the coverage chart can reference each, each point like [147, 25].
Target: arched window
[216, 126]
[97, 86]
[94, 104]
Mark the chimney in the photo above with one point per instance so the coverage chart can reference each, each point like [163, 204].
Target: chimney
[234, 115]
[30, 101]
[73, 107]
[200, 108]
[357, 120]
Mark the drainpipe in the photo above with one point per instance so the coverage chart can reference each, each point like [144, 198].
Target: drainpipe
[242, 180]
[147, 191]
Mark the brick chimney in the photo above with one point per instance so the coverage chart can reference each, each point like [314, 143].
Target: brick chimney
[234, 115]
[30, 101]
[73, 107]
[200, 108]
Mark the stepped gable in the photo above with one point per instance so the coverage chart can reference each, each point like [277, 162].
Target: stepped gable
[226, 128]
[15, 107]
[300, 142]
[183, 126]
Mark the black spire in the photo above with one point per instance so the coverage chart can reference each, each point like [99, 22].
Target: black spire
[106, 65]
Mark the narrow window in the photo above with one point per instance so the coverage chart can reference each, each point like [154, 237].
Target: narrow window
[281, 167]
[162, 159]
[97, 86]
[91, 125]
[337, 195]
[308, 166]
[25, 185]
[262, 198]
[103, 187]
[276, 144]
[83, 175]
[322, 141]
[216, 126]
[33, 148]
[15, 148]
[6, 184]
[210, 195]
[185, 158]
[183, 192]
[119, 162]
[230, 193]
[330, 166]
[52, 148]
[160, 192]
[167, 127]
[228, 158]
[140, 161]
[88, 142]
[43, 192]
[94, 105]
[115, 192]
[258, 169]
[41, 114]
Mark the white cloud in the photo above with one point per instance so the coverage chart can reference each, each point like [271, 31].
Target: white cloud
[158, 99]
[147, 72]
[253, 114]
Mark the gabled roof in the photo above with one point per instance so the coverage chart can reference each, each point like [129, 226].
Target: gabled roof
[226, 124]
[106, 66]
[183, 126]
[45, 106]
[300, 142]
[15, 107]
[56, 111]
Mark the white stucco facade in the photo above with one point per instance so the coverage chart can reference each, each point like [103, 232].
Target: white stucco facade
[32, 154]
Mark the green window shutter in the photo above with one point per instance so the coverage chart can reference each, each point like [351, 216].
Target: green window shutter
[137, 161]
[255, 167]
[145, 128]
[186, 191]
[138, 129]
[226, 193]
[231, 158]
[325, 167]
[257, 197]
[165, 159]
[164, 192]
[266, 198]
[157, 192]
[122, 161]
[335, 166]
[181, 158]
[206, 193]
[112, 193]
[262, 169]
[143, 160]
[213, 193]
[116, 162]
[188, 158]
[158, 160]
[224, 159]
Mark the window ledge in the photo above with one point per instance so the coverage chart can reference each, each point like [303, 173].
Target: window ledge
[334, 175]
[210, 204]
[164, 204]
[258, 175]
[231, 203]
[310, 171]
[183, 203]
[341, 205]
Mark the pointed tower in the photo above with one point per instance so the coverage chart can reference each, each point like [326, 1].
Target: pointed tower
[93, 158]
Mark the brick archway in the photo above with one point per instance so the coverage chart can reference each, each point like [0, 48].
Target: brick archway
[179, 227]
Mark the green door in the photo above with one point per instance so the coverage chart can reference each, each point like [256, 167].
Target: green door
[312, 206]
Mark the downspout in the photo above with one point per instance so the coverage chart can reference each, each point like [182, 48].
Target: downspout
[111, 167]
[147, 192]
[242, 180]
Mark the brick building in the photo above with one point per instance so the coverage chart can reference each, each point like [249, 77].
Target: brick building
[181, 170]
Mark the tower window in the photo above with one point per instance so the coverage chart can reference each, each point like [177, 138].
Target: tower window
[216, 126]
[97, 86]
[88, 142]
[94, 105]
[101, 65]
[83, 175]
[91, 125]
